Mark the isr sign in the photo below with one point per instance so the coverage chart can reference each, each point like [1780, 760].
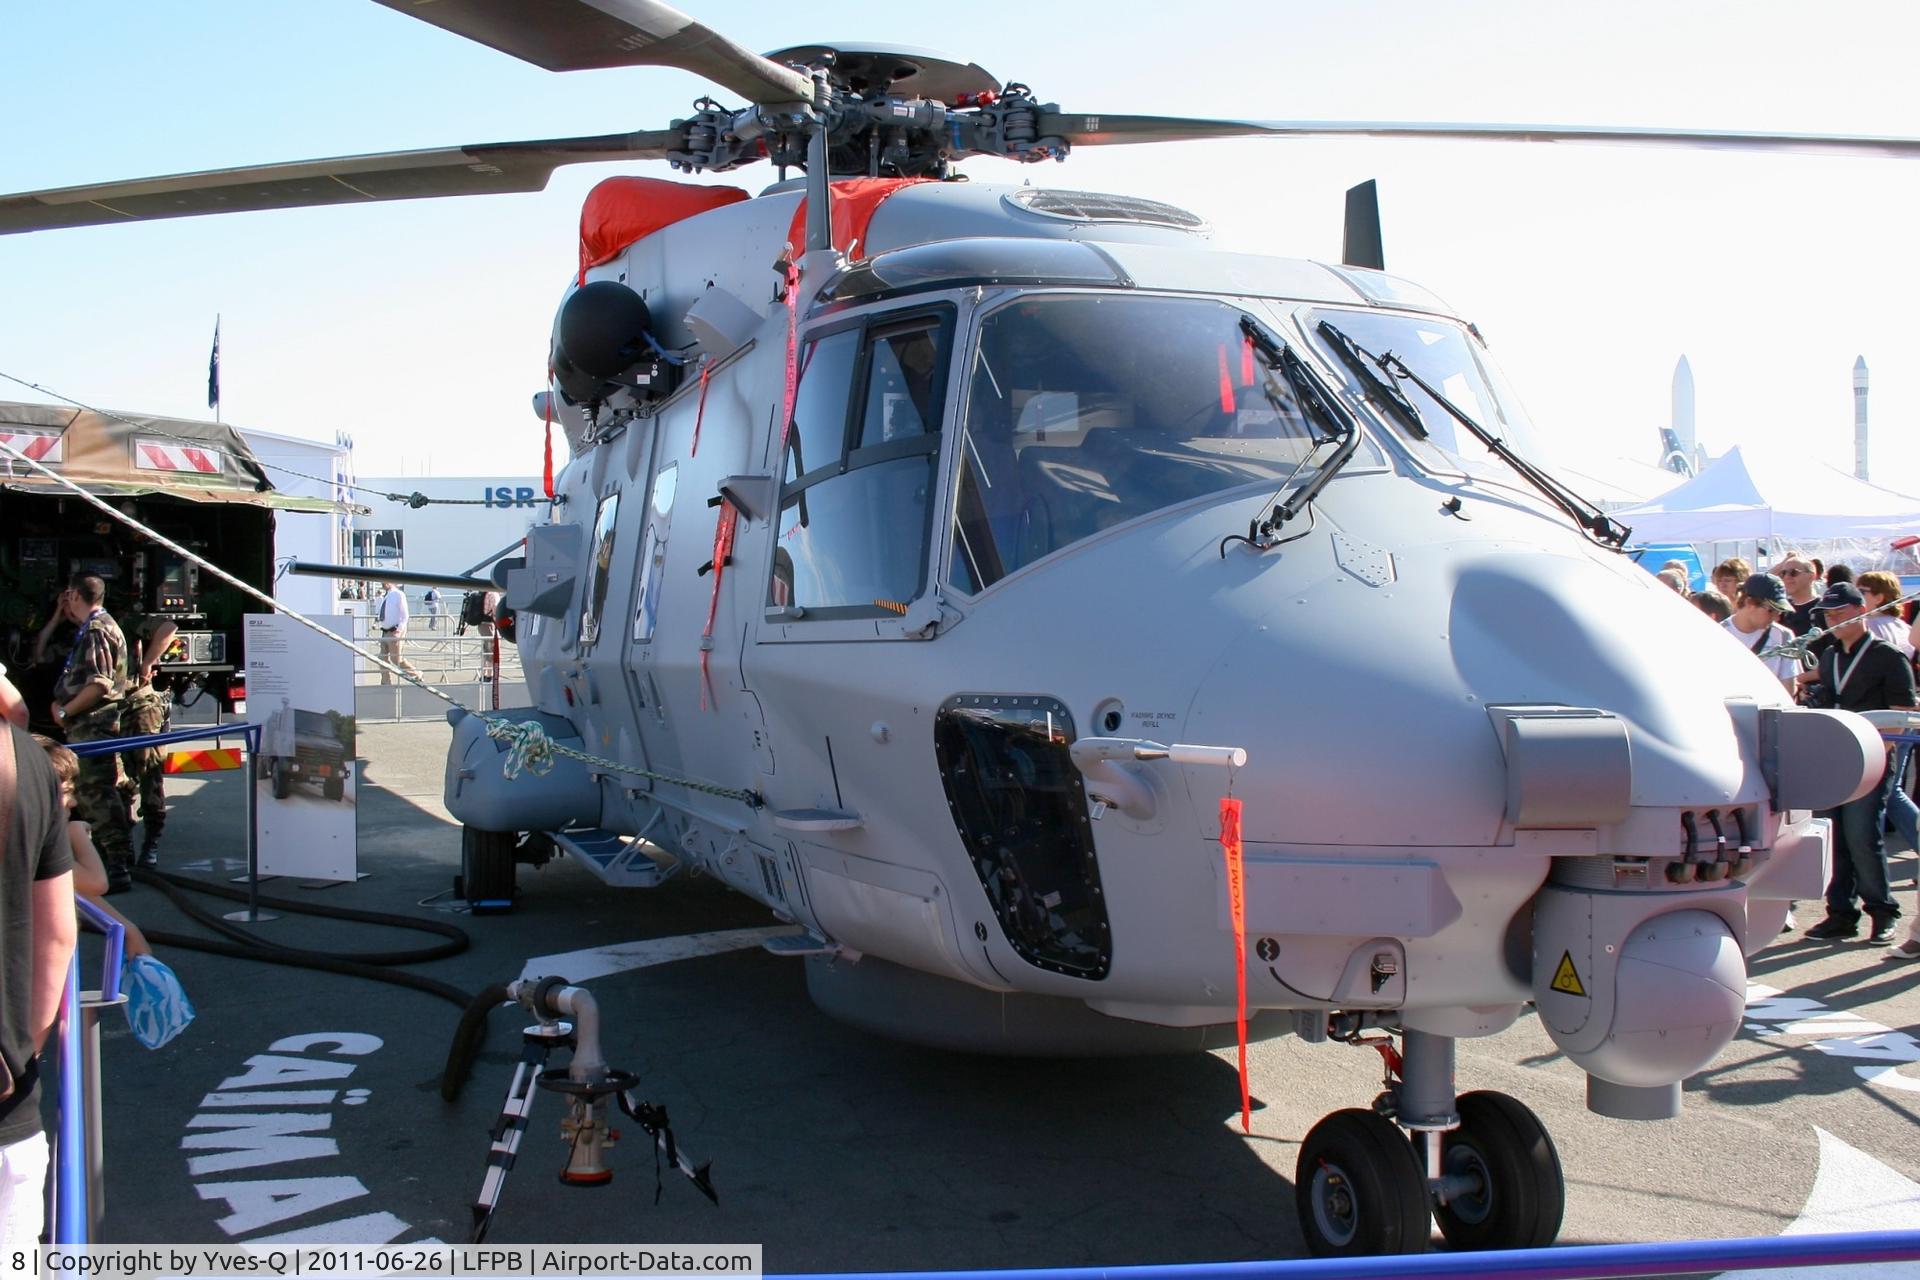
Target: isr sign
[510, 496]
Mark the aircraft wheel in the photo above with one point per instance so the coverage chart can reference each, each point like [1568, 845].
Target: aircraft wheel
[486, 868]
[282, 784]
[1502, 1145]
[1359, 1188]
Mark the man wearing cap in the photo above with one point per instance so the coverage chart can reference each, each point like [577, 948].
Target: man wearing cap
[1755, 623]
[1859, 672]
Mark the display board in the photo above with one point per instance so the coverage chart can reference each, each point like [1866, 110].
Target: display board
[306, 773]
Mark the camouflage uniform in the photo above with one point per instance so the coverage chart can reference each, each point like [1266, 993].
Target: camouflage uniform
[99, 657]
[146, 711]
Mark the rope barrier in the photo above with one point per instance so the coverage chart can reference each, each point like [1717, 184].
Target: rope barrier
[529, 748]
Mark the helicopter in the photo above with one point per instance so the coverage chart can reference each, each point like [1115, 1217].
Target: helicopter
[957, 568]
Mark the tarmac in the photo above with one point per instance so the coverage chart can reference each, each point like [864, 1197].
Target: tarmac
[306, 1105]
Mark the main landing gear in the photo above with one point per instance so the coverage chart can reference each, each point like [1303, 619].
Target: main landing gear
[1481, 1164]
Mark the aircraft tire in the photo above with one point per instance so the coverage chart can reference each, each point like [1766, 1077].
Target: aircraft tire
[1359, 1189]
[486, 867]
[1524, 1191]
[282, 784]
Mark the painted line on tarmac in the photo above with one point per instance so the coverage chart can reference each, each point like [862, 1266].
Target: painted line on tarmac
[599, 962]
[1775, 1015]
[1852, 1191]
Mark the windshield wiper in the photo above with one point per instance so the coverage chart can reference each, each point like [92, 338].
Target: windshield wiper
[1362, 363]
[1322, 410]
[1584, 513]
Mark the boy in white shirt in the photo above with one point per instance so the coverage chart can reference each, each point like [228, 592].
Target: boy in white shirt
[1756, 624]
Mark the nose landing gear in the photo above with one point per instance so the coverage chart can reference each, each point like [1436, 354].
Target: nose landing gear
[1359, 1188]
[1481, 1164]
[1513, 1191]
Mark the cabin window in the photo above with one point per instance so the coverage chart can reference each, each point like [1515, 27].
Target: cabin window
[653, 553]
[591, 610]
[861, 458]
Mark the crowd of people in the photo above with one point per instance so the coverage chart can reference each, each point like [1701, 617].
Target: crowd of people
[1834, 639]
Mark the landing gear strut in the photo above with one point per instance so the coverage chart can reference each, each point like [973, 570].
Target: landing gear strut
[1481, 1164]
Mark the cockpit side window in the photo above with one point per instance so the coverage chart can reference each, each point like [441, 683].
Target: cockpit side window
[605, 523]
[861, 455]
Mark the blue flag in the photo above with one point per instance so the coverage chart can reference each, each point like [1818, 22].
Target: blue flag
[213, 369]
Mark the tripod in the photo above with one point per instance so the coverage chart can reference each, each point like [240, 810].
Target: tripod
[588, 1084]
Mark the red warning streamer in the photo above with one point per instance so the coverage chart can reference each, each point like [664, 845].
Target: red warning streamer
[1237, 906]
[722, 548]
[700, 413]
[1226, 382]
[793, 349]
[546, 471]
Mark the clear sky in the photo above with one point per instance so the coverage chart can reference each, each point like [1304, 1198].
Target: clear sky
[422, 327]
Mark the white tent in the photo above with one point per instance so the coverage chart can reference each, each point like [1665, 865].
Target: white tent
[1613, 482]
[1749, 494]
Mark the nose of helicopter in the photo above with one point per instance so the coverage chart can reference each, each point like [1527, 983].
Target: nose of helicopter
[1377, 693]
[1539, 628]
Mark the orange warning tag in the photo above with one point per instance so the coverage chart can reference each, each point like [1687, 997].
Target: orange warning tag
[1565, 979]
[1237, 908]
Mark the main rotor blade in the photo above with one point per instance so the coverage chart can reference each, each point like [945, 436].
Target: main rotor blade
[583, 35]
[486, 169]
[1097, 130]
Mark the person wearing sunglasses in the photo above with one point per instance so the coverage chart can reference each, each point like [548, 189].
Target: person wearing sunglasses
[1797, 573]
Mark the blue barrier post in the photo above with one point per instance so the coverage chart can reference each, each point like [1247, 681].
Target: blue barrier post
[76, 1139]
[91, 1003]
[70, 1213]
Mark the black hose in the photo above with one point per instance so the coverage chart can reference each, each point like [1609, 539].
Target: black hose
[467, 1039]
[175, 887]
[375, 966]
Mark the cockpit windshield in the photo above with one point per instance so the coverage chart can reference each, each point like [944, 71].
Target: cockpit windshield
[1446, 355]
[1087, 411]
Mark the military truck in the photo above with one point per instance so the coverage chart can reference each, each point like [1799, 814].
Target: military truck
[297, 745]
[195, 483]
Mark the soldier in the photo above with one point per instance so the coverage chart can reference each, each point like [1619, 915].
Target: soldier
[86, 705]
[146, 712]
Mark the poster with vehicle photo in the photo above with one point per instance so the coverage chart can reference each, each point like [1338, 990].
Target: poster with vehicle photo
[300, 690]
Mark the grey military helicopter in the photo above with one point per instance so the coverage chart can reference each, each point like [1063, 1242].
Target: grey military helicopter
[934, 558]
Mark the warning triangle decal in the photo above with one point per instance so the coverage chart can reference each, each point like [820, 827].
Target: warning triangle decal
[1565, 979]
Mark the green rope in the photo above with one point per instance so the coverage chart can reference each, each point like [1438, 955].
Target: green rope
[531, 750]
